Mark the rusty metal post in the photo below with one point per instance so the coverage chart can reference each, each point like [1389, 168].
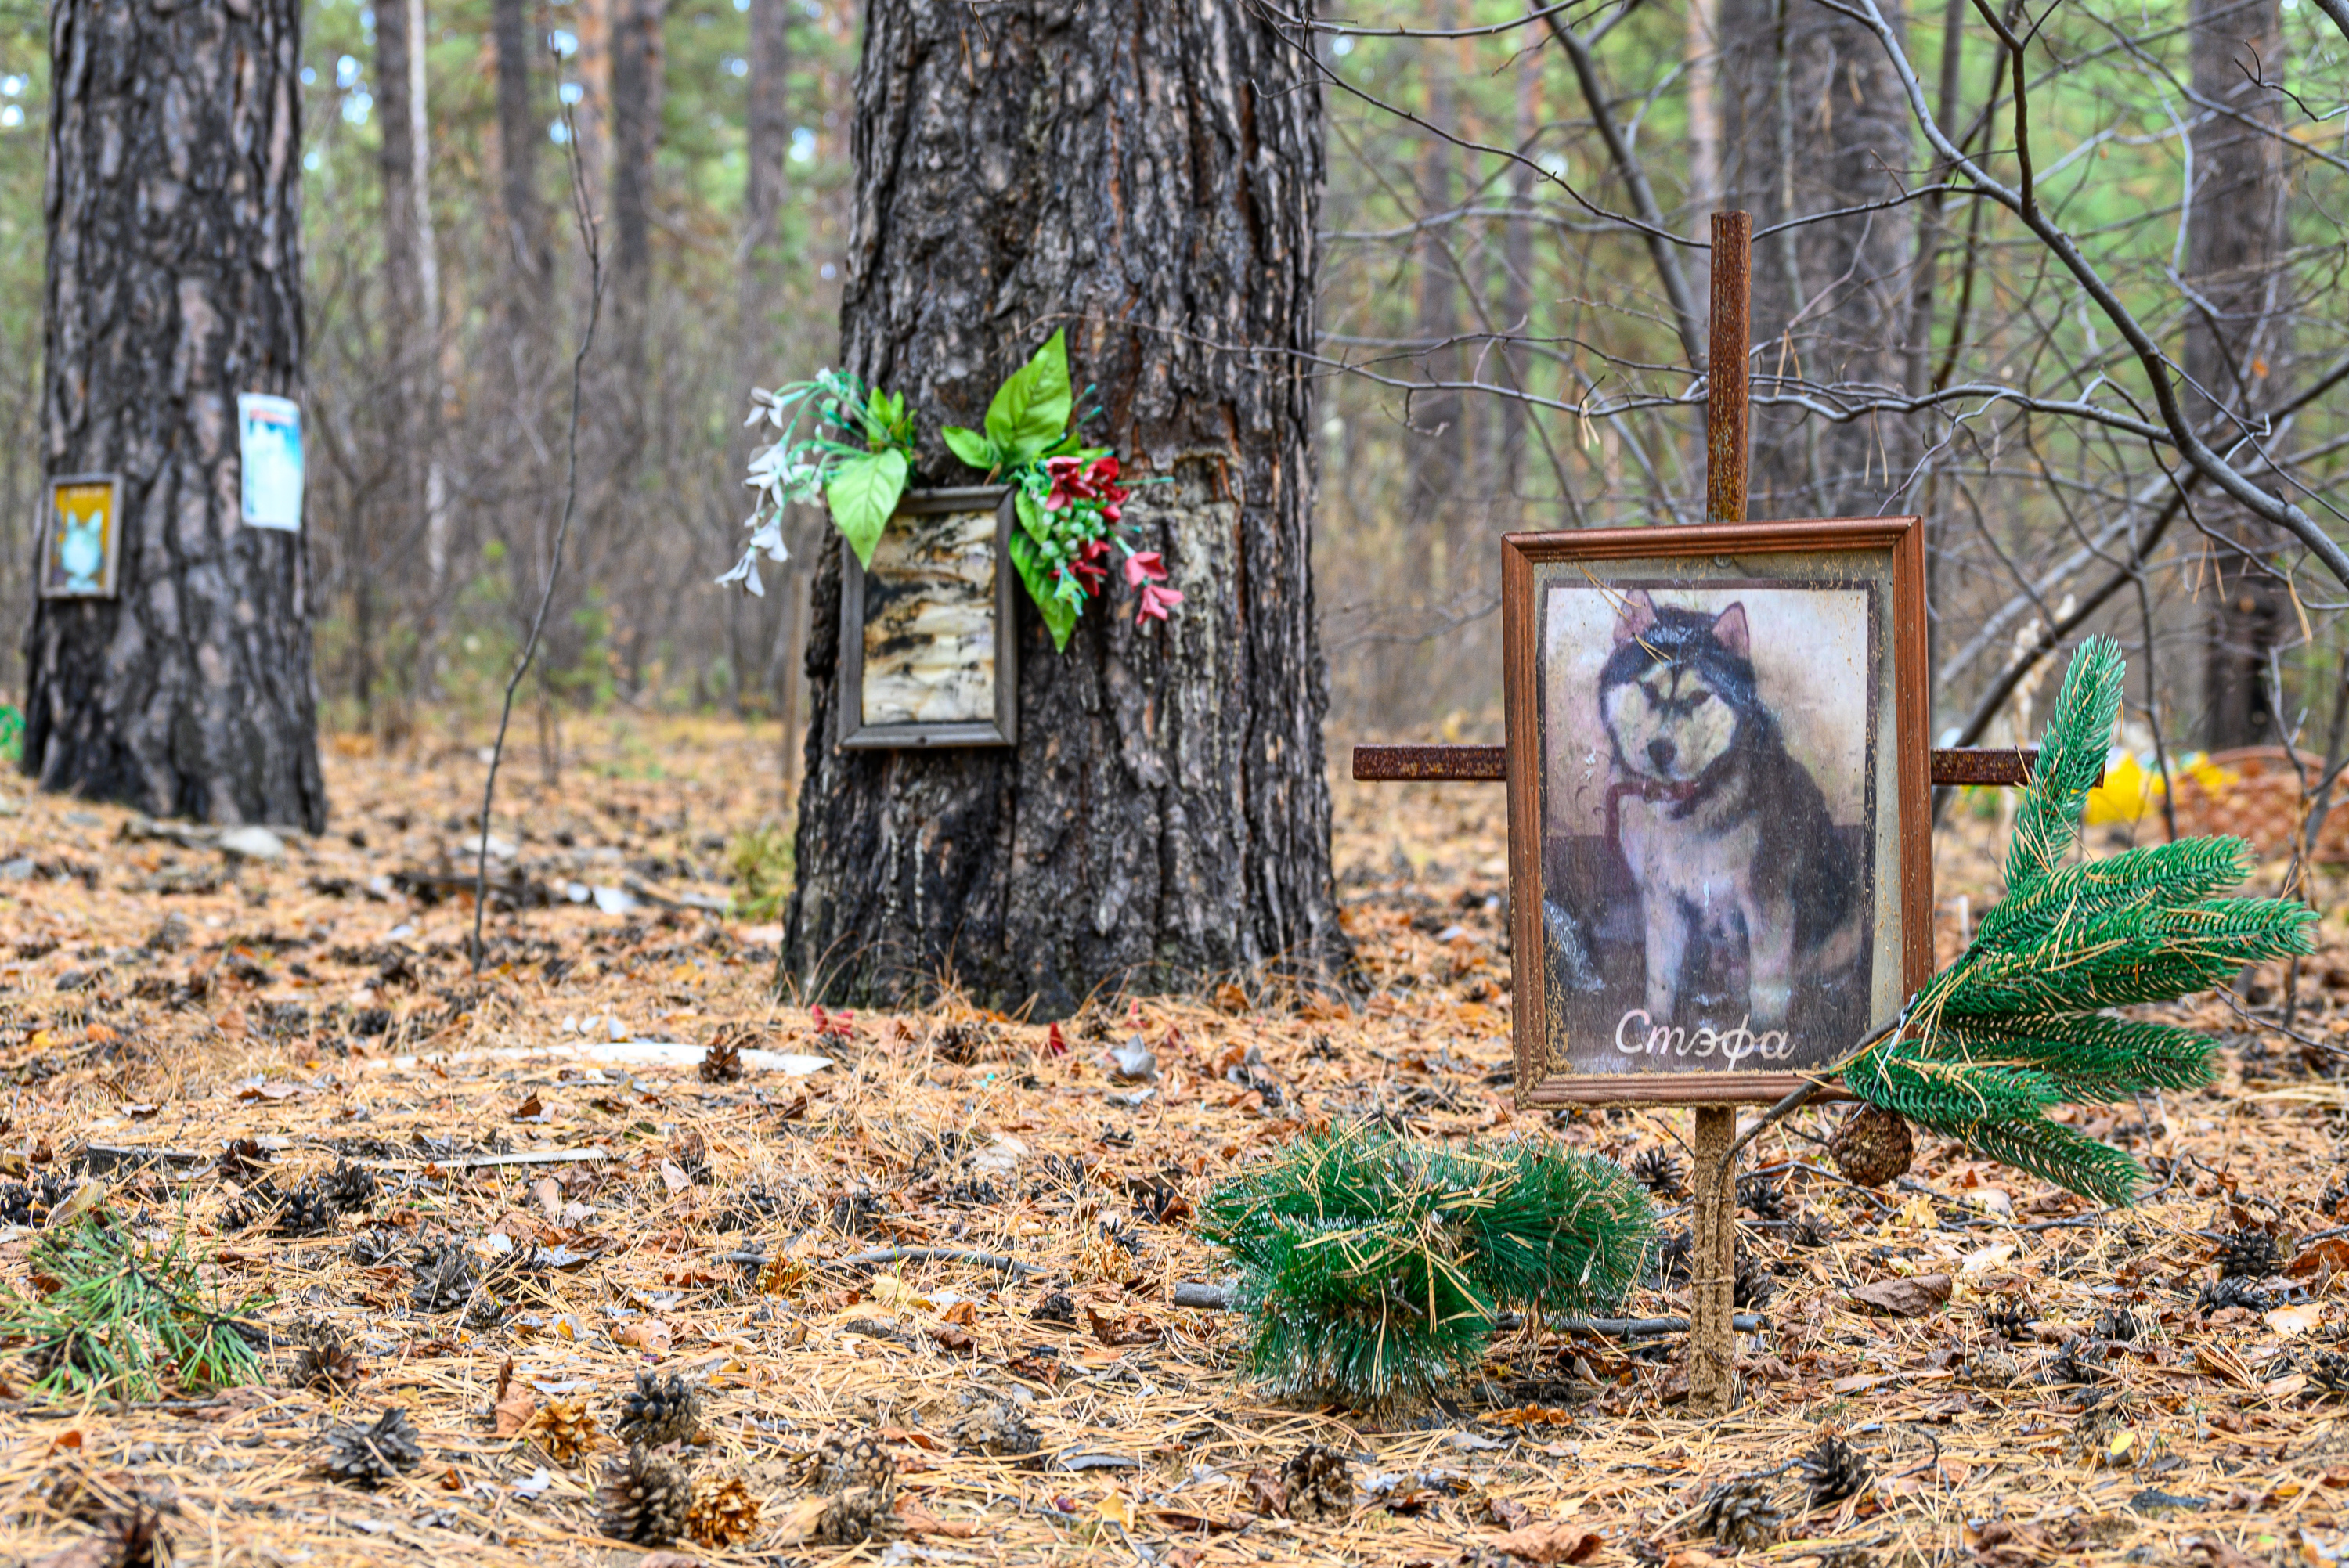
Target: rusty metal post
[1727, 396]
[1712, 1190]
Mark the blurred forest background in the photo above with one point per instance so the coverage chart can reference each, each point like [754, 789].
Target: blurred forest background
[1514, 288]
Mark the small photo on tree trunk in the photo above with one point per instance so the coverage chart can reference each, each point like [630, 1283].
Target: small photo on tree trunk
[81, 542]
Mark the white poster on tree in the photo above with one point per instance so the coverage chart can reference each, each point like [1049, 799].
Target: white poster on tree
[269, 442]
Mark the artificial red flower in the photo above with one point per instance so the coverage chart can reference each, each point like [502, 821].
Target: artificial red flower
[1145, 567]
[1103, 477]
[1073, 481]
[1068, 482]
[1155, 603]
[1087, 564]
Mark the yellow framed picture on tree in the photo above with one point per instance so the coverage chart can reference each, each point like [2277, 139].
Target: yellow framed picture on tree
[81, 543]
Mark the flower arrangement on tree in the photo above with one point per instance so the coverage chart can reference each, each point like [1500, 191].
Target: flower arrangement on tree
[852, 445]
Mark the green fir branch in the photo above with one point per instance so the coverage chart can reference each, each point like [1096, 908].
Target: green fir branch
[1373, 1266]
[2022, 1022]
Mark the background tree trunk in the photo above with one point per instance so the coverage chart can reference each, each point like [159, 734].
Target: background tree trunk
[522, 131]
[1146, 174]
[2233, 334]
[191, 692]
[1817, 120]
[766, 183]
[637, 65]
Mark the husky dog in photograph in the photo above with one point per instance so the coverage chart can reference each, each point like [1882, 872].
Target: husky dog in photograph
[1728, 838]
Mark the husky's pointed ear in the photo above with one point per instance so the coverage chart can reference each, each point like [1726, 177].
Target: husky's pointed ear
[1730, 631]
[1634, 615]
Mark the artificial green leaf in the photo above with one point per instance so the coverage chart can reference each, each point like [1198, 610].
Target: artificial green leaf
[1059, 618]
[971, 447]
[1031, 409]
[1032, 517]
[863, 494]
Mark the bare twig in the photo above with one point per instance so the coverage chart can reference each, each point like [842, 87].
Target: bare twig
[584, 214]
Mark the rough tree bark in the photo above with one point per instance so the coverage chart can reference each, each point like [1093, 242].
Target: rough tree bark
[2234, 235]
[637, 80]
[174, 283]
[1145, 173]
[522, 131]
[767, 181]
[1816, 121]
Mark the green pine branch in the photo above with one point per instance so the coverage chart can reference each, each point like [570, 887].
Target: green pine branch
[2022, 1022]
[1373, 1266]
[125, 1320]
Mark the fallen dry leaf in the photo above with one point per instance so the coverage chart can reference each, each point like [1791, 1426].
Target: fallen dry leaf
[1912, 1297]
[1551, 1541]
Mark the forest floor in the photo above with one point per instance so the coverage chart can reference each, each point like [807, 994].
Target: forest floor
[207, 1033]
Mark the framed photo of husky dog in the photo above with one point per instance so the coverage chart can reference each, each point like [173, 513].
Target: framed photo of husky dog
[1720, 866]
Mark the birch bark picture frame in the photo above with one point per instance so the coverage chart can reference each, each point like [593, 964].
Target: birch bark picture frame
[1720, 864]
[928, 656]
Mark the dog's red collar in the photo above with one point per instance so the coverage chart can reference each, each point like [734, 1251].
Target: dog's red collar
[1649, 789]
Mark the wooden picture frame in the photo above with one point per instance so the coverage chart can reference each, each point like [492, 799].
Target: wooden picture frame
[1637, 884]
[72, 564]
[920, 563]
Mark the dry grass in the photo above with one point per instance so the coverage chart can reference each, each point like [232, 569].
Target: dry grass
[983, 1139]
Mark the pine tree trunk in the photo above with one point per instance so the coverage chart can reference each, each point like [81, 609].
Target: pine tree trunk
[1146, 174]
[522, 131]
[1817, 120]
[174, 283]
[2233, 338]
[767, 147]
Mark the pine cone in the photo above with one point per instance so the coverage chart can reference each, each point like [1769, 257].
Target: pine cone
[2329, 1369]
[1872, 1146]
[446, 1278]
[1993, 1367]
[374, 1246]
[1809, 1231]
[22, 1203]
[2232, 1291]
[1656, 1169]
[1318, 1484]
[1755, 1285]
[2119, 1323]
[722, 1060]
[367, 1456]
[1672, 1257]
[964, 1042]
[1739, 1515]
[564, 1430]
[2249, 1252]
[2076, 1361]
[841, 1460]
[646, 1499]
[306, 1211]
[1762, 1196]
[2010, 1317]
[351, 1188]
[859, 1513]
[325, 1361]
[658, 1410]
[995, 1426]
[722, 1513]
[1833, 1472]
[128, 1538]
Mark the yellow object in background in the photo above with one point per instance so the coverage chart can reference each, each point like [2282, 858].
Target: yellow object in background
[2131, 788]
